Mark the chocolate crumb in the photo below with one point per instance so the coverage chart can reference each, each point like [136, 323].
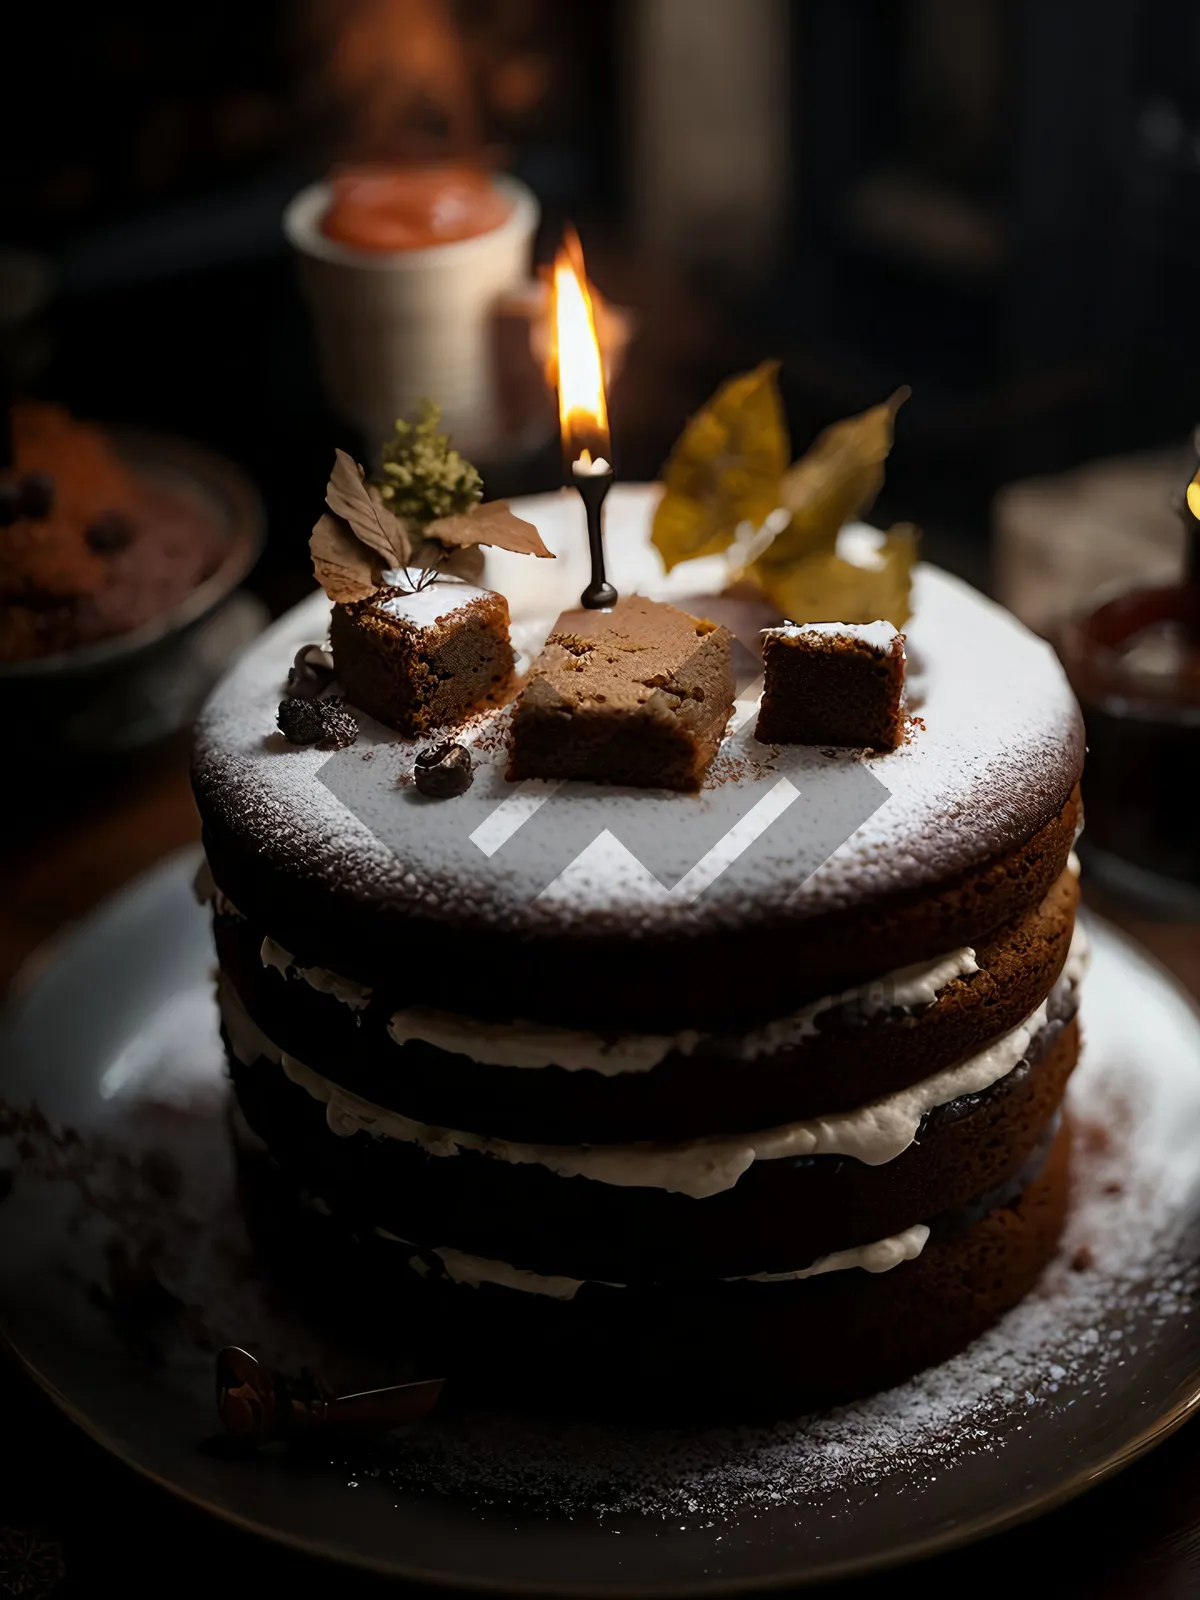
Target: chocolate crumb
[341, 730]
[299, 721]
[1084, 1259]
[325, 723]
[442, 771]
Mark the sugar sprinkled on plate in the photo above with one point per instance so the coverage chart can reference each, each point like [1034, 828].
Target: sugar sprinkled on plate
[1137, 1166]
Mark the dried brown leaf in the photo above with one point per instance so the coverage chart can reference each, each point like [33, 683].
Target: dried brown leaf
[360, 504]
[342, 564]
[492, 524]
[464, 562]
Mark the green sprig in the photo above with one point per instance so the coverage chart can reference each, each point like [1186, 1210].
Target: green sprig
[423, 478]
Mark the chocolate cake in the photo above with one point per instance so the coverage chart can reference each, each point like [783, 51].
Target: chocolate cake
[739, 1099]
[638, 694]
[420, 657]
[834, 683]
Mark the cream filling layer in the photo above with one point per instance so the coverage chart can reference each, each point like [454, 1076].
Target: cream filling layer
[473, 1271]
[526, 1045]
[873, 1134]
[351, 993]
[529, 1045]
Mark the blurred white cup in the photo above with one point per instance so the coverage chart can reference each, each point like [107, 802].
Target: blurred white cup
[393, 327]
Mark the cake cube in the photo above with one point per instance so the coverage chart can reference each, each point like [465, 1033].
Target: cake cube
[422, 659]
[639, 694]
[833, 683]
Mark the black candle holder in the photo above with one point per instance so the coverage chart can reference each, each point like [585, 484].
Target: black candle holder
[593, 487]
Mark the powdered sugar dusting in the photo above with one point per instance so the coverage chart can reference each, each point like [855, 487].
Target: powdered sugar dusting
[422, 607]
[877, 636]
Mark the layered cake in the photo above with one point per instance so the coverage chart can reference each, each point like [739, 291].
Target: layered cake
[744, 1098]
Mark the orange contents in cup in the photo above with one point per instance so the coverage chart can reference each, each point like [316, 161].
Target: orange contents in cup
[411, 208]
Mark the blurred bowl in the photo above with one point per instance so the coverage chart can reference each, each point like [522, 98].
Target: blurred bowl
[1133, 658]
[123, 694]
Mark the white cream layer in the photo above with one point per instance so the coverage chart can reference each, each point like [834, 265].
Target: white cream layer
[873, 1134]
[530, 1045]
[351, 993]
[880, 1256]
[533, 1046]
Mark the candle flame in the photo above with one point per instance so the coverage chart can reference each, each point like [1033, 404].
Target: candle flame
[575, 363]
[1193, 496]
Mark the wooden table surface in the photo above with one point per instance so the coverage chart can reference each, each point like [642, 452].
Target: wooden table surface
[74, 1521]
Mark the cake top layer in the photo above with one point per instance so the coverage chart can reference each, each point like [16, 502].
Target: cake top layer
[772, 836]
[617, 658]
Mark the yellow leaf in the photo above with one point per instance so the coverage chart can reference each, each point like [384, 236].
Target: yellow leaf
[725, 469]
[823, 586]
[836, 478]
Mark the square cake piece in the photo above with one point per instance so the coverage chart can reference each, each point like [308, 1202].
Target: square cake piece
[637, 695]
[420, 660]
[833, 683]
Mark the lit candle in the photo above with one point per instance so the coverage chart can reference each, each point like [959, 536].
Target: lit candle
[582, 407]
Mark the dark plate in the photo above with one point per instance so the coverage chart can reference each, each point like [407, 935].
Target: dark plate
[116, 1038]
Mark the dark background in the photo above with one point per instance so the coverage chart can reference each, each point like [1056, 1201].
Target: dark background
[997, 201]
